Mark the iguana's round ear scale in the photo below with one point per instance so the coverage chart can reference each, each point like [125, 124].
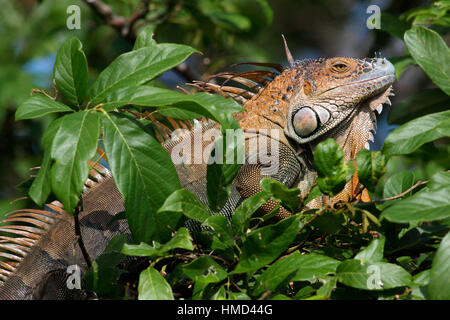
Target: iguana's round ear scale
[305, 122]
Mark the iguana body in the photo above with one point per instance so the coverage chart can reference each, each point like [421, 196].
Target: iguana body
[304, 104]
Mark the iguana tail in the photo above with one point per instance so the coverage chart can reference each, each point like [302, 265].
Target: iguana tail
[39, 248]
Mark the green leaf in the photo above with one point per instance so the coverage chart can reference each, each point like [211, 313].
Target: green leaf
[230, 21]
[205, 104]
[238, 296]
[263, 245]
[329, 284]
[373, 252]
[71, 72]
[142, 249]
[306, 267]
[267, 11]
[439, 286]
[177, 113]
[181, 240]
[436, 13]
[371, 166]
[425, 205]
[422, 278]
[242, 214]
[145, 37]
[439, 180]
[42, 185]
[38, 106]
[330, 166]
[222, 229]
[329, 222]
[289, 197]
[205, 270]
[314, 266]
[104, 275]
[314, 193]
[410, 136]
[431, 53]
[277, 275]
[400, 65]
[153, 286]
[398, 183]
[187, 203]
[419, 104]
[138, 67]
[372, 275]
[74, 144]
[143, 173]
[393, 25]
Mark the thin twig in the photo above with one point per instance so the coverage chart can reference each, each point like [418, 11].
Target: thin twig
[418, 184]
[80, 242]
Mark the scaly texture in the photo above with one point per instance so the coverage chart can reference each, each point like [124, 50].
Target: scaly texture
[288, 112]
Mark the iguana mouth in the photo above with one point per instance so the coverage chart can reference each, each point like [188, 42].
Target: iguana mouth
[375, 103]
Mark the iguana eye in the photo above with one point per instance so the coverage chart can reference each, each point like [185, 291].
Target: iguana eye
[339, 67]
[305, 122]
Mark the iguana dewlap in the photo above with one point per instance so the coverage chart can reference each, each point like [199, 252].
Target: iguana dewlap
[304, 104]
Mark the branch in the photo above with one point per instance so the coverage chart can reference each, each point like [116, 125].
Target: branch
[106, 13]
[79, 239]
[127, 30]
[418, 183]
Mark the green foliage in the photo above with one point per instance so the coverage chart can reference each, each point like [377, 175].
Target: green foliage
[71, 72]
[322, 253]
[410, 136]
[150, 175]
[431, 53]
[38, 106]
[73, 145]
[289, 197]
[439, 281]
[137, 67]
[426, 205]
[153, 286]
[331, 168]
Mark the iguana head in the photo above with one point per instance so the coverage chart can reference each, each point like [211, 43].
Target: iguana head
[313, 99]
[329, 92]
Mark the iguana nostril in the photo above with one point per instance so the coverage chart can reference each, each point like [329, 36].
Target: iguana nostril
[305, 122]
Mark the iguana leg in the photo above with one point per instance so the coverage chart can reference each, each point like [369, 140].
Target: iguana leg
[288, 170]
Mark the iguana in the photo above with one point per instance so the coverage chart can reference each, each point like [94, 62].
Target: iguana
[305, 103]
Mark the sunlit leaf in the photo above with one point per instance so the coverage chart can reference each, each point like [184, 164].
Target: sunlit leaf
[71, 72]
[153, 286]
[142, 171]
[39, 105]
[74, 144]
[430, 52]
